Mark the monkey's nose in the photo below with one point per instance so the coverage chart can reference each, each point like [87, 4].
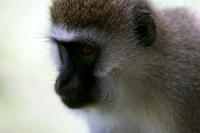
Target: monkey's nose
[60, 85]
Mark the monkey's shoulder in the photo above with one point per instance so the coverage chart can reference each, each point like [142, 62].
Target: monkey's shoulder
[179, 32]
[179, 41]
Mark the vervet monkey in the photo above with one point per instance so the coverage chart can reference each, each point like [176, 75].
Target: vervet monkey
[128, 67]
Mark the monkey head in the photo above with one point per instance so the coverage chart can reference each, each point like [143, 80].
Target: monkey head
[98, 45]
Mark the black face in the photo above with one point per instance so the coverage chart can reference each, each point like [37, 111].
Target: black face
[76, 84]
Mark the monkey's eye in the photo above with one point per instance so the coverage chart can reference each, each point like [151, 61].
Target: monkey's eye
[64, 48]
[62, 44]
[86, 50]
[87, 53]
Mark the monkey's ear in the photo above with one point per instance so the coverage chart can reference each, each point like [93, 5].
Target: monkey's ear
[144, 28]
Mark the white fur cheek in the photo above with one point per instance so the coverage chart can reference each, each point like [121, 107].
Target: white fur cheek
[55, 55]
[103, 67]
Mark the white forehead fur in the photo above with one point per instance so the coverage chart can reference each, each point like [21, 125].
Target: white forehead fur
[61, 34]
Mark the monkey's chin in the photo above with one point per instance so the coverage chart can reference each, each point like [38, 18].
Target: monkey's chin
[76, 102]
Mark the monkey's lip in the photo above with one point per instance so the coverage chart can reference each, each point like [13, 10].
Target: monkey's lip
[78, 97]
[76, 101]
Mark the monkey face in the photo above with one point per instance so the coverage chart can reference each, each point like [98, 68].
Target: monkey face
[86, 66]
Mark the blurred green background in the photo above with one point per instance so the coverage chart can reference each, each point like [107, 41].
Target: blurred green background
[28, 103]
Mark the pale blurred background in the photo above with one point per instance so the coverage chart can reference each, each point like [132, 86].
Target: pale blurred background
[28, 103]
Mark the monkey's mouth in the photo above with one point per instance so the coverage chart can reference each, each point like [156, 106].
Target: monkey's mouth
[76, 101]
[79, 97]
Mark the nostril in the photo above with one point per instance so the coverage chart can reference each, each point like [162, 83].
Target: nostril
[64, 82]
[60, 83]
